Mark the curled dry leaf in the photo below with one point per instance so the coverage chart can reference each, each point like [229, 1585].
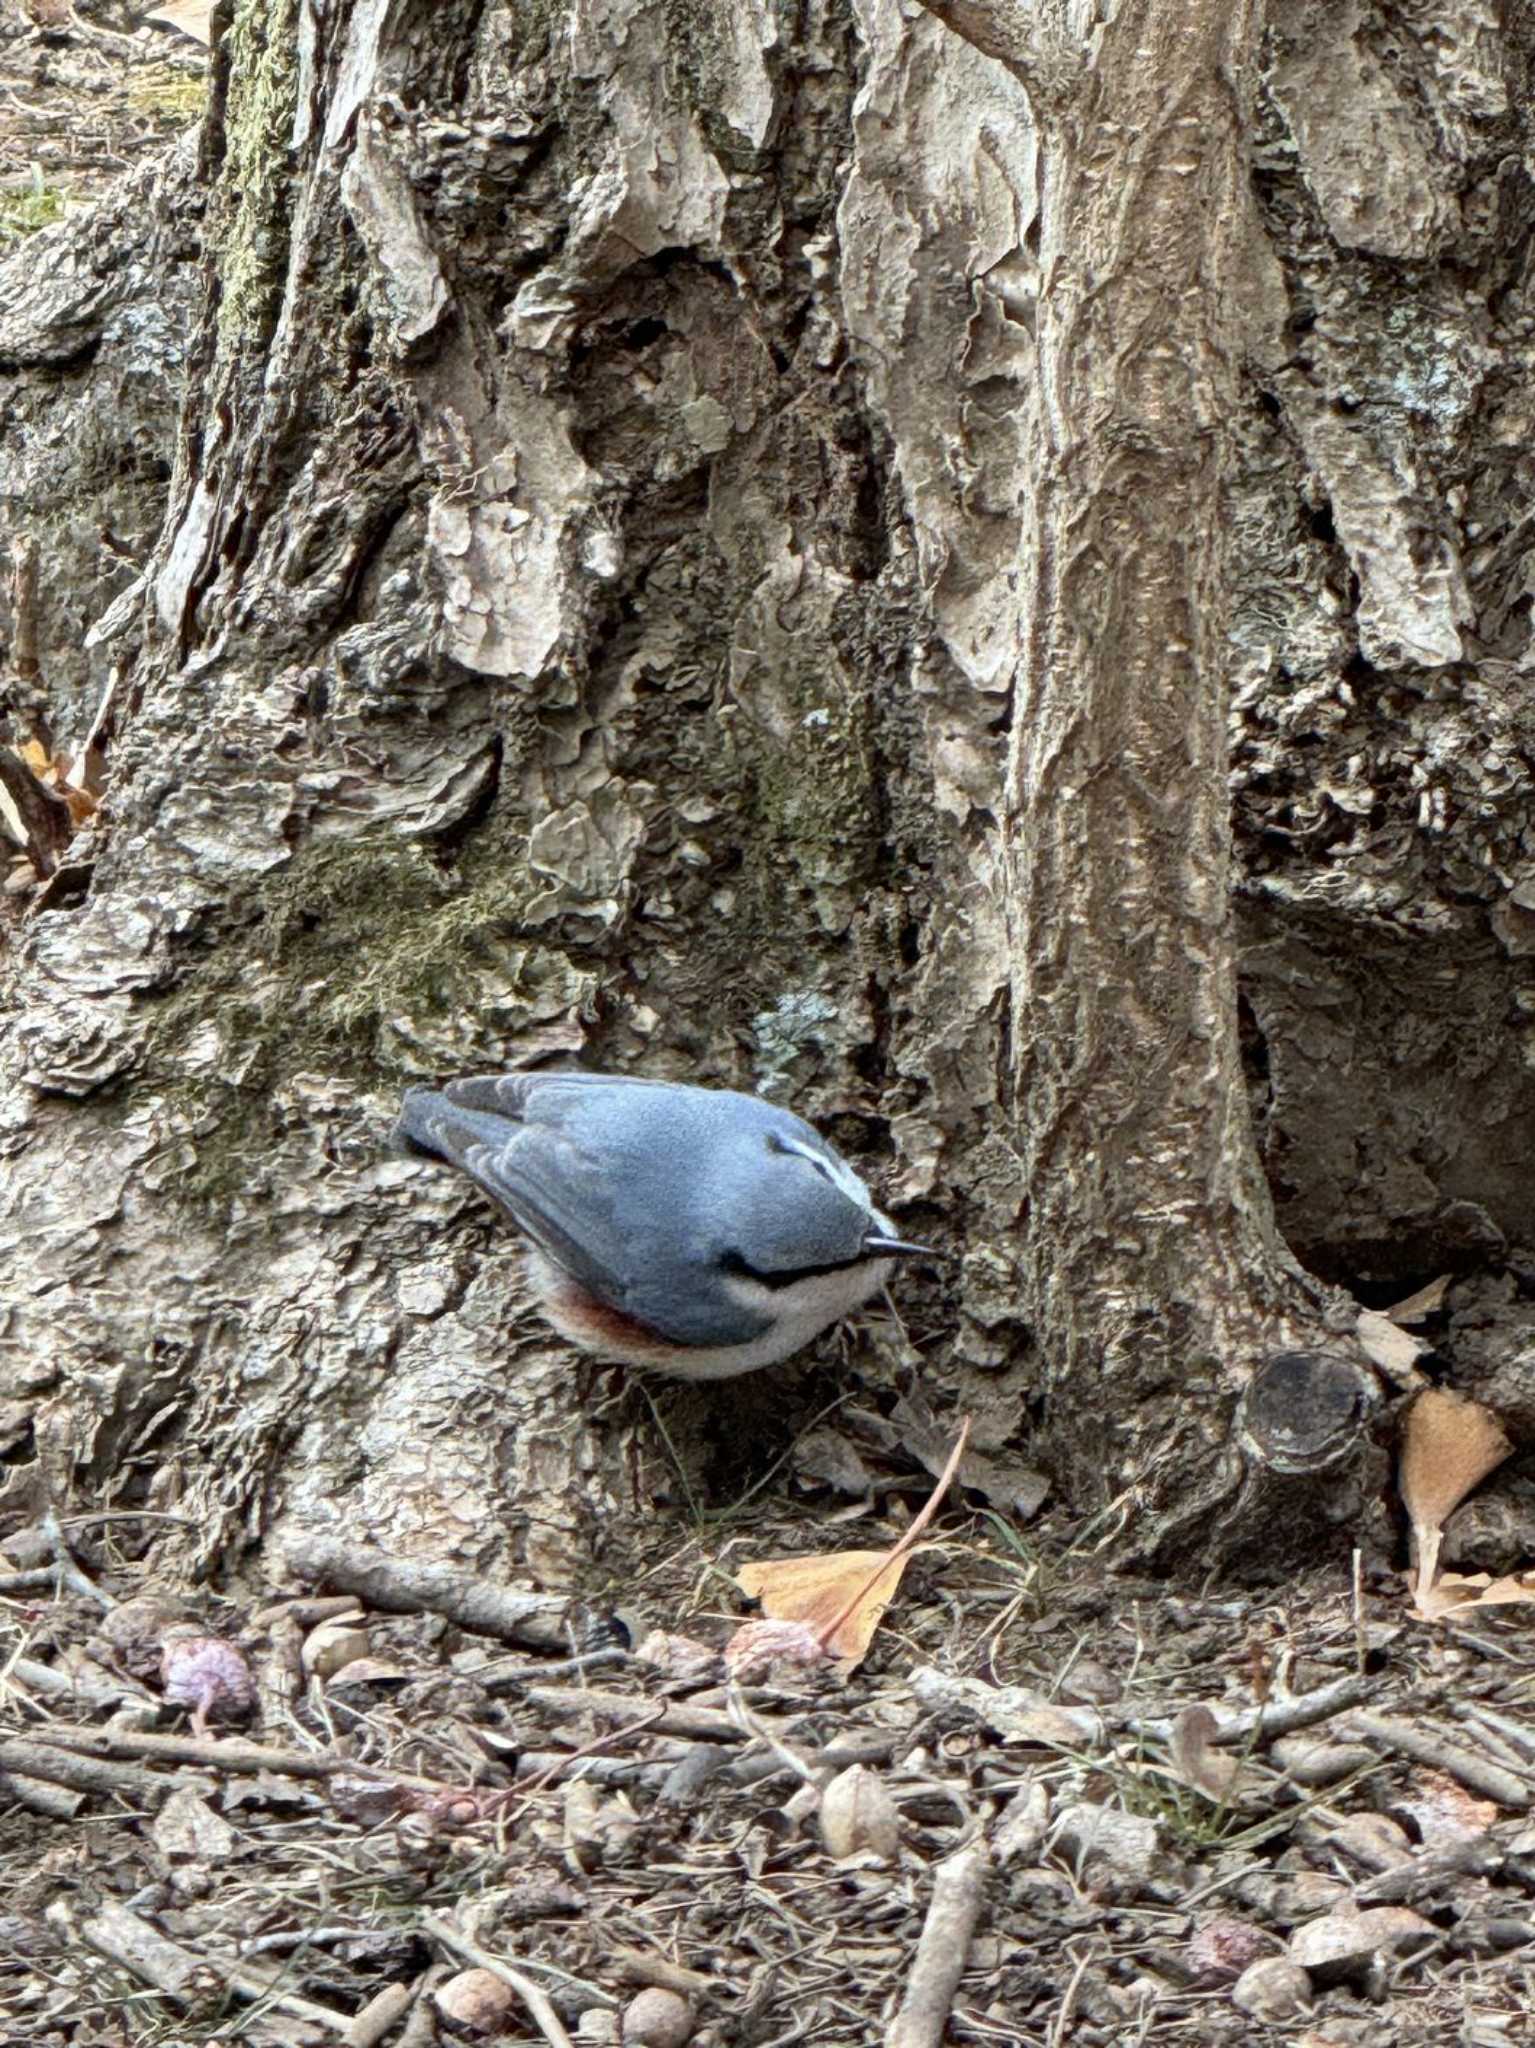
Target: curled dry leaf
[1415, 1308]
[209, 1674]
[858, 1816]
[757, 1646]
[843, 1596]
[1450, 1444]
[1208, 1770]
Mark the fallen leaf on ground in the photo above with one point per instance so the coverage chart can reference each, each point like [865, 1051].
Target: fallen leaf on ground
[845, 1592]
[1208, 1770]
[1426, 1302]
[1453, 1593]
[840, 1597]
[1450, 1443]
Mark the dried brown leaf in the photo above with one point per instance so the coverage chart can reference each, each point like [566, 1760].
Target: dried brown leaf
[1450, 1444]
[1456, 1593]
[1413, 1308]
[859, 1818]
[857, 1585]
[842, 1596]
[1219, 1777]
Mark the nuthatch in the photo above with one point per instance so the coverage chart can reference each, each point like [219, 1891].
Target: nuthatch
[694, 1230]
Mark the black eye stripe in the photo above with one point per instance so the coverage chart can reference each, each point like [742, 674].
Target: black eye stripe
[733, 1262]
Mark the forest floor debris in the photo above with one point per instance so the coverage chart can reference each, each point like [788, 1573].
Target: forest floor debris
[425, 1836]
[87, 91]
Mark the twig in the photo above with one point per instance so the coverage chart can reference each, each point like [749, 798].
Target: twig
[587, 1750]
[694, 1724]
[382, 2011]
[544, 2014]
[835, 1756]
[640, 1966]
[1062, 2018]
[123, 1938]
[40, 1578]
[497, 1678]
[241, 1758]
[52, 1801]
[1421, 1875]
[86, 1692]
[415, 1586]
[38, 1759]
[1274, 1718]
[959, 1884]
[69, 1573]
[550, 1766]
[1428, 1746]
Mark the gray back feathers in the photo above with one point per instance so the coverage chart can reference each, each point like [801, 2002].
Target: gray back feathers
[643, 1191]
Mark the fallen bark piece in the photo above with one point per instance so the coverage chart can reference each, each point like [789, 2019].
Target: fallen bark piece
[1114, 1852]
[417, 1586]
[959, 1885]
[1342, 1945]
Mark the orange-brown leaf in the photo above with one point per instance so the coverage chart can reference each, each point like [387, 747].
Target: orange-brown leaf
[858, 1585]
[1457, 1593]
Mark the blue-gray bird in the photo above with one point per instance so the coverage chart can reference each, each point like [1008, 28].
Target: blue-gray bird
[693, 1230]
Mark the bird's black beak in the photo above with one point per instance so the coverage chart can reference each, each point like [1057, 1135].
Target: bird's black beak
[898, 1248]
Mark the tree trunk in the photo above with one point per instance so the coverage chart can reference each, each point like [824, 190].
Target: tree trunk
[720, 545]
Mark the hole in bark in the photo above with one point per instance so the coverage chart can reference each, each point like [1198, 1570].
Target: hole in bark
[643, 333]
[1320, 520]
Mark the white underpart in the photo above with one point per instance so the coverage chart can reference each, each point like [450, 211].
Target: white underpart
[800, 1311]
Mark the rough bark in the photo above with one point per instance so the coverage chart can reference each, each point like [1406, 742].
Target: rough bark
[642, 545]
